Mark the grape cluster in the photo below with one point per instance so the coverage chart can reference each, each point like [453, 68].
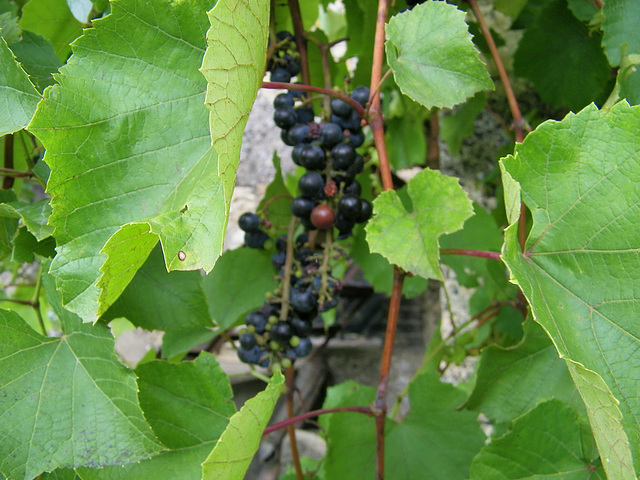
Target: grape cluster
[329, 194]
[285, 62]
[272, 337]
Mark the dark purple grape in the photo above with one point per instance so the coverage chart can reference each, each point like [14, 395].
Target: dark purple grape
[311, 185]
[292, 64]
[303, 300]
[249, 222]
[247, 341]
[281, 332]
[343, 224]
[252, 355]
[329, 303]
[300, 327]
[296, 153]
[281, 243]
[284, 117]
[304, 347]
[353, 188]
[284, 136]
[331, 134]
[306, 223]
[340, 108]
[302, 207]
[299, 133]
[278, 259]
[304, 114]
[255, 239]
[356, 167]
[343, 156]
[302, 239]
[258, 320]
[313, 157]
[283, 100]
[280, 74]
[352, 123]
[350, 206]
[361, 95]
[283, 35]
[355, 138]
[366, 210]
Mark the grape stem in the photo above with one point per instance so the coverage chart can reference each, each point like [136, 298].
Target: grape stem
[286, 281]
[309, 88]
[312, 414]
[291, 428]
[471, 253]
[300, 38]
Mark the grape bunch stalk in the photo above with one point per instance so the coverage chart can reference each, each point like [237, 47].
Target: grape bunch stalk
[329, 205]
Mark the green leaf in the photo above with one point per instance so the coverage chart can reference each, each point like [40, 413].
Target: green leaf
[231, 456]
[237, 285]
[512, 381]
[459, 124]
[620, 29]
[629, 79]
[54, 21]
[233, 65]
[36, 55]
[439, 205]
[545, 443]
[188, 406]
[581, 264]
[563, 59]
[9, 28]
[158, 300]
[432, 56]
[66, 402]
[18, 96]
[133, 178]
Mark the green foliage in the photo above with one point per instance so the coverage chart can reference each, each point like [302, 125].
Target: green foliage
[586, 308]
[141, 130]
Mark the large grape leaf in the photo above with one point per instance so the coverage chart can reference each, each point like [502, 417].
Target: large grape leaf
[188, 406]
[438, 206]
[580, 268]
[233, 65]
[66, 402]
[127, 140]
[511, 381]
[432, 56]
[18, 96]
[620, 29]
[547, 442]
[158, 300]
[232, 454]
[563, 58]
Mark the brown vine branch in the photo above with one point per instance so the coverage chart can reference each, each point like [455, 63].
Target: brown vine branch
[300, 38]
[7, 183]
[309, 88]
[471, 253]
[291, 428]
[313, 414]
